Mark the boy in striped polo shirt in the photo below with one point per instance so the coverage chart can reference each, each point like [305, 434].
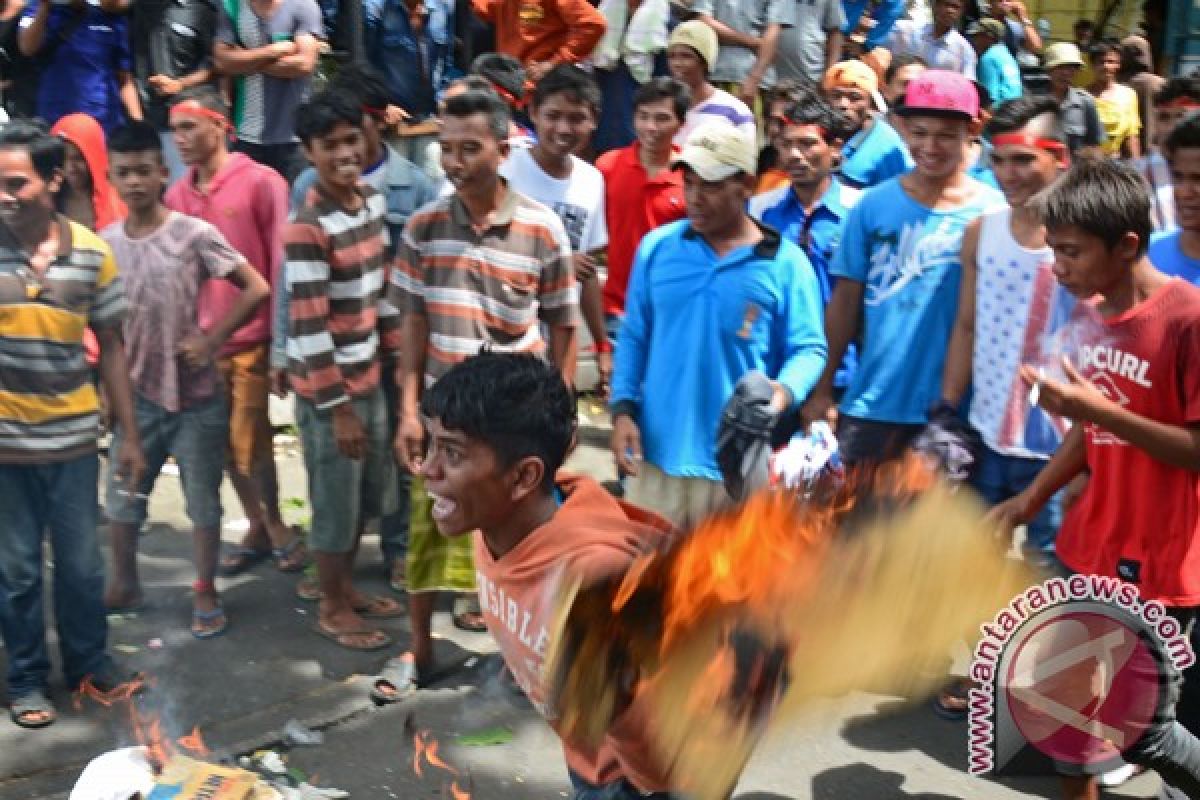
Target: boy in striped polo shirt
[55, 278]
[478, 269]
[339, 324]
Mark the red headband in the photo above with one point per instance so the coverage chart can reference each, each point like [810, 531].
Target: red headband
[1180, 102]
[193, 109]
[1052, 146]
[508, 97]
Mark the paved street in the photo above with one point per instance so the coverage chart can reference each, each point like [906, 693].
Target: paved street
[242, 688]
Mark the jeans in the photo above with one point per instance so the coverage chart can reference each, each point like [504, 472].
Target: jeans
[393, 528]
[620, 790]
[1000, 477]
[61, 499]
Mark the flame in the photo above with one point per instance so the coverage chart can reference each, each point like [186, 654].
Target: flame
[194, 742]
[425, 752]
[147, 732]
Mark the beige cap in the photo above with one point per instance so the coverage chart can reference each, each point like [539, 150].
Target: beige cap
[717, 150]
[700, 37]
[1061, 54]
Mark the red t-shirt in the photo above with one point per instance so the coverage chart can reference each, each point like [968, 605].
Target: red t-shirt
[1139, 518]
[634, 205]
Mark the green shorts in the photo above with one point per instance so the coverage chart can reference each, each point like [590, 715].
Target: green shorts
[435, 562]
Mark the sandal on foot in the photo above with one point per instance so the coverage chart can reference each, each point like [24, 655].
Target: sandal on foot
[467, 614]
[367, 639]
[241, 559]
[207, 624]
[33, 710]
[293, 556]
[308, 589]
[397, 680]
[380, 608]
[953, 701]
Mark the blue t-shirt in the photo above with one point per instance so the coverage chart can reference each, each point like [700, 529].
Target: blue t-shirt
[874, 155]
[819, 234]
[908, 257]
[81, 73]
[1168, 257]
[1000, 74]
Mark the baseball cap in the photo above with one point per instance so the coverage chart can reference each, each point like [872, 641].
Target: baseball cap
[697, 35]
[939, 92]
[717, 150]
[851, 73]
[1060, 54]
[992, 27]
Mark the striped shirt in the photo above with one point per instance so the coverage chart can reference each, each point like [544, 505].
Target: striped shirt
[338, 315]
[484, 288]
[48, 407]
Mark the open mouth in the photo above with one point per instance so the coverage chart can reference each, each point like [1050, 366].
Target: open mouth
[443, 507]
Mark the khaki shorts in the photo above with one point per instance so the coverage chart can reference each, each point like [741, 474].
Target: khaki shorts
[247, 387]
[683, 501]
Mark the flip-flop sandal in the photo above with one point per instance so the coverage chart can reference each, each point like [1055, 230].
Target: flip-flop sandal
[380, 641]
[113, 677]
[292, 557]
[27, 705]
[308, 589]
[241, 559]
[400, 674]
[202, 618]
[380, 608]
[465, 621]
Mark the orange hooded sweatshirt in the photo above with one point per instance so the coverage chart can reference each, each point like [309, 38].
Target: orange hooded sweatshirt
[86, 134]
[596, 536]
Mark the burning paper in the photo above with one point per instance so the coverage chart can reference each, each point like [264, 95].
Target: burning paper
[759, 611]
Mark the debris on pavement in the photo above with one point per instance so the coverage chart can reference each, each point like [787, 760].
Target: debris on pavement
[486, 737]
[297, 735]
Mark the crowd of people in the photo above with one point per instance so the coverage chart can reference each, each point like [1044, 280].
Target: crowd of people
[899, 222]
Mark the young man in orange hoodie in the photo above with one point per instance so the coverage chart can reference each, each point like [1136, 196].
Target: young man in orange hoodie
[499, 427]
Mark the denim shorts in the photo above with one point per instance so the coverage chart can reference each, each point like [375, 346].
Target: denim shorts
[196, 438]
[345, 493]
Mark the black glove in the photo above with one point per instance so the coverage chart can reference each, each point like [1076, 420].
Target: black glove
[950, 443]
[744, 436]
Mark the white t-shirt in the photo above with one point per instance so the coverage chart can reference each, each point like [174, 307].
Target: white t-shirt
[721, 107]
[578, 199]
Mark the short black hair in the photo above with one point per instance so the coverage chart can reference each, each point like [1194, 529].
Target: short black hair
[1103, 197]
[664, 88]
[136, 136]
[1084, 23]
[503, 71]
[206, 96]
[570, 80]
[900, 62]
[1179, 88]
[515, 403]
[324, 112]
[815, 110]
[1100, 49]
[481, 101]
[1185, 135]
[1013, 115]
[46, 151]
[363, 82]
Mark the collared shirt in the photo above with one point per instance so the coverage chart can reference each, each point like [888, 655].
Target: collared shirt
[750, 17]
[818, 234]
[48, 407]
[949, 51]
[635, 204]
[801, 55]
[487, 287]
[696, 322]
[1080, 120]
[873, 155]
[340, 320]
[81, 74]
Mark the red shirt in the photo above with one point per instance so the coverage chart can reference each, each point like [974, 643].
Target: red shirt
[634, 204]
[1139, 518]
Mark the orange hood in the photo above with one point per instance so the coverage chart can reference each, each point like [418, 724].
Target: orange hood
[86, 134]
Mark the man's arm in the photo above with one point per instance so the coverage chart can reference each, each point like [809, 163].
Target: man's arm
[585, 27]
[299, 64]
[731, 36]
[410, 432]
[229, 59]
[629, 363]
[833, 47]
[799, 336]
[841, 322]
[956, 375]
[1069, 461]
[1033, 39]
[129, 95]
[31, 37]
[766, 57]
[199, 349]
[114, 374]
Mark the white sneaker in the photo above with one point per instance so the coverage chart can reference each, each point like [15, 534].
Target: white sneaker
[1118, 776]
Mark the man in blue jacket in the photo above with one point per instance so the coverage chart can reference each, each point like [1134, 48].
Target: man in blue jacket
[711, 298]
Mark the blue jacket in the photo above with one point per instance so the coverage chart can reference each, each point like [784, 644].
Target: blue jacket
[416, 69]
[695, 324]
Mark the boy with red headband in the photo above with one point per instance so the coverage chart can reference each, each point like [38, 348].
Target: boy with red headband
[247, 203]
[1179, 98]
